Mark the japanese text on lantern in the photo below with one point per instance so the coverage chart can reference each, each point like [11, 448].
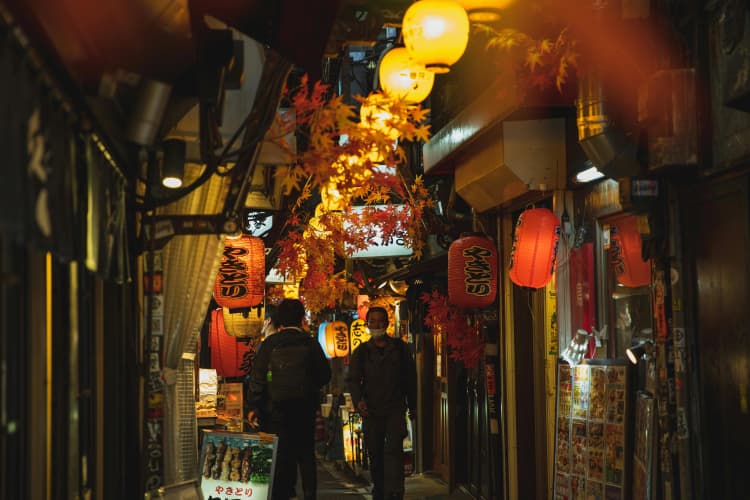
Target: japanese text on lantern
[233, 273]
[477, 271]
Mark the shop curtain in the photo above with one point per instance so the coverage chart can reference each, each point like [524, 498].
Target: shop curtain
[190, 265]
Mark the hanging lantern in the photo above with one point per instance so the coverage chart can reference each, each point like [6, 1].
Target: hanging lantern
[244, 324]
[403, 77]
[630, 268]
[337, 337]
[328, 350]
[240, 282]
[436, 33]
[226, 352]
[484, 11]
[534, 253]
[358, 333]
[472, 271]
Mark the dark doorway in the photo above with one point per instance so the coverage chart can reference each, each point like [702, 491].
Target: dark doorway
[718, 237]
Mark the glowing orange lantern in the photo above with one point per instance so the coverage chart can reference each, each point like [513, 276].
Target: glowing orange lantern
[472, 271]
[534, 253]
[630, 268]
[244, 324]
[226, 352]
[436, 33]
[240, 282]
[402, 77]
[337, 339]
[358, 333]
[484, 11]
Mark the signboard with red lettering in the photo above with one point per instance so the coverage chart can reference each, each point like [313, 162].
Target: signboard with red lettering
[236, 466]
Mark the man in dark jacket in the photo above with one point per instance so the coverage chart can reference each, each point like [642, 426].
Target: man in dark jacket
[382, 380]
[289, 370]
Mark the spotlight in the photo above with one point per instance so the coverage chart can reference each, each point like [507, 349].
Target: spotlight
[639, 350]
[173, 163]
[573, 354]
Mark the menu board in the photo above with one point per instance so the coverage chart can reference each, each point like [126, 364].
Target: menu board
[590, 432]
[237, 465]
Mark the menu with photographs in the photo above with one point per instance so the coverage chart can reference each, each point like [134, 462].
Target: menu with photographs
[590, 431]
[236, 465]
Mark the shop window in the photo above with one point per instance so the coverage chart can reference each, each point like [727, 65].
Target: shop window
[628, 283]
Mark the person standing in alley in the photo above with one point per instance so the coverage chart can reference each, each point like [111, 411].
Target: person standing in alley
[289, 370]
[382, 380]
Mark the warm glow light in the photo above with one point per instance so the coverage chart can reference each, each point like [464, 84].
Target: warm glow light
[374, 114]
[172, 182]
[588, 175]
[484, 11]
[436, 33]
[402, 77]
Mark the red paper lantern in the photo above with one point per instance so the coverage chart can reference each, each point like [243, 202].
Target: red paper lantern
[534, 253]
[630, 268]
[472, 271]
[241, 280]
[226, 352]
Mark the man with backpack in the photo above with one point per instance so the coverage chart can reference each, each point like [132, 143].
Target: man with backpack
[382, 380]
[289, 370]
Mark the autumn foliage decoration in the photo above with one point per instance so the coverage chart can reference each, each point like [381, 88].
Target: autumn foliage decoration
[462, 338]
[348, 161]
[537, 62]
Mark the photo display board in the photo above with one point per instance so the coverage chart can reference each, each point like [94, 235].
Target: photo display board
[237, 466]
[591, 432]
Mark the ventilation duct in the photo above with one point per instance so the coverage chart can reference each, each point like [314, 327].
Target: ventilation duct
[608, 148]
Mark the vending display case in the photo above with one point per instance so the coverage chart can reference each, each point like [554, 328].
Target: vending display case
[592, 431]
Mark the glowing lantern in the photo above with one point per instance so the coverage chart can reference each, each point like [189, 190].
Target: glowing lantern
[472, 271]
[630, 269]
[484, 11]
[363, 305]
[358, 333]
[436, 33]
[402, 77]
[374, 114]
[240, 282]
[337, 337]
[534, 253]
[244, 324]
[329, 350]
[226, 352]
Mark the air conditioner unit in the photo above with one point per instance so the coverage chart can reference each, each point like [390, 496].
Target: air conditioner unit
[511, 159]
[667, 110]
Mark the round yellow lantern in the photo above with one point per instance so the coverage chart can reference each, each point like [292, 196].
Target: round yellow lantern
[436, 33]
[402, 77]
[484, 11]
[374, 114]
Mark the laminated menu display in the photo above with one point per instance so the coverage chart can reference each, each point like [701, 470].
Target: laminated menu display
[237, 465]
[591, 432]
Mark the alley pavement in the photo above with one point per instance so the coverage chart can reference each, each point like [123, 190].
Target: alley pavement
[335, 484]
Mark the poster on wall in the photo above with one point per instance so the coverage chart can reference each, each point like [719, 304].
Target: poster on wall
[236, 465]
[591, 434]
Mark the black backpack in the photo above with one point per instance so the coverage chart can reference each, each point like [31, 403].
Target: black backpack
[288, 369]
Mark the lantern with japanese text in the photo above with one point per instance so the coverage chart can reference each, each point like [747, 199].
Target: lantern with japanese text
[240, 282]
[328, 350]
[244, 324]
[226, 353]
[358, 333]
[472, 271]
[630, 268]
[337, 339]
[534, 253]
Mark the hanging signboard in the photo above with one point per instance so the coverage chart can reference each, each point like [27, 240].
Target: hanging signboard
[237, 465]
[395, 247]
